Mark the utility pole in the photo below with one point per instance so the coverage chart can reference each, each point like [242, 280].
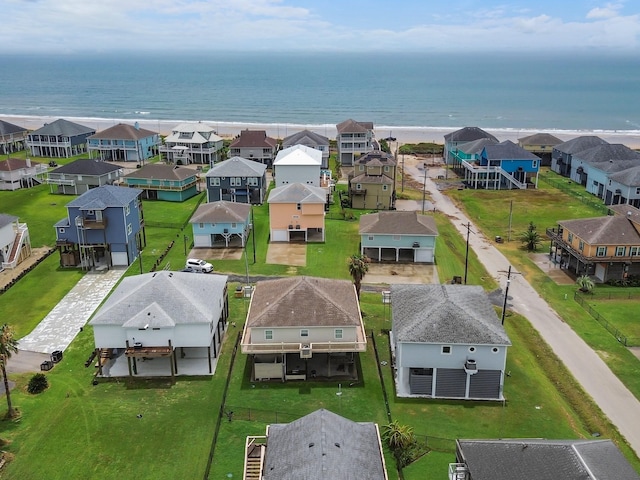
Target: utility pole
[466, 256]
[424, 186]
[253, 233]
[506, 295]
[510, 217]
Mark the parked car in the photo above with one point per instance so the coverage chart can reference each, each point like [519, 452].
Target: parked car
[197, 265]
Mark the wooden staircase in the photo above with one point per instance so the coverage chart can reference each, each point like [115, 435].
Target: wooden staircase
[255, 448]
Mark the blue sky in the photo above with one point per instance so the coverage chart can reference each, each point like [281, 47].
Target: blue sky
[69, 26]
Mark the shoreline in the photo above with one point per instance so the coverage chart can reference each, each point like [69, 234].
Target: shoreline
[404, 134]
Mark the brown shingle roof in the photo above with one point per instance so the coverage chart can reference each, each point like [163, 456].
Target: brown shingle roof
[373, 179]
[351, 126]
[221, 212]
[158, 171]
[122, 131]
[609, 230]
[11, 164]
[540, 139]
[254, 138]
[396, 222]
[376, 158]
[304, 302]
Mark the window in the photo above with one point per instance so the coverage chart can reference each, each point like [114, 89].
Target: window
[61, 230]
[338, 333]
[268, 334]
[620, 251]
[397, 238]
[234, 225]
[362, 168]
[581, 245]
[534, 164]
[637, 190]
[235, 181]
[127, 210]
[298, 206]
[601, 252]
[252, 181]
[570, 238]
[634, 251]
[385, 188]
[370, 237]
[201, 225]
[446, 349]
[495, 350]
[595, 183]
[129, 229]
[386, 168]
[215, 182]
[304, 332]
[358, 186]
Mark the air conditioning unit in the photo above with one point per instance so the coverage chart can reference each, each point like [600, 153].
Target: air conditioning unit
[305, 351]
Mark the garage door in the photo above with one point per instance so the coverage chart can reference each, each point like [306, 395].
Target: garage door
[119, 258]
[202, 240]
[424, 255]
[279, 236]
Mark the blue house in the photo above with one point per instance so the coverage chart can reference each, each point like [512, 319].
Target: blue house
[624, 188]
[164, 182]
[562, 154]
[104, 228]
[59, 139]
[123, 143]
[398, 236]
[593, 166]
[237, 180]
[465, 135]
[221, 224]
[503, 165]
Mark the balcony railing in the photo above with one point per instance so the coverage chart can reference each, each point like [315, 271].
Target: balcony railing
[294, 347]
[556, 235]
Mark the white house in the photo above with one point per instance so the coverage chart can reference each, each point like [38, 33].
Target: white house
[447, 342]
[15, 244]
[298, 164]
[162, 323]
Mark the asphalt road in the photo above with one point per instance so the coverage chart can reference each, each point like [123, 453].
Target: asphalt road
[613, 398]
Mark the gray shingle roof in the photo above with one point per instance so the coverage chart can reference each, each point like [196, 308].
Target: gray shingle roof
[579, 144]
[159, 171]
[6, 219]
[87, 167]
[376, 158]
[7, 128]
[221, 212]
[508, 150]
[468, 134]
[304, 301]
[123, 131]
[163, 299]
[305, 137]
[445, 314]
[398, 223]
[526, 459]
[538, 139]
[607, 230]
[629, 177]
[297, 193]
[237, 167]
[107, 196]
[607, 152]
[64, 127]
[323, 446]
[476, 146]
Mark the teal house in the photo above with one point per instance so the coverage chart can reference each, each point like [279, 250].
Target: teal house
[164, 182]
[221, 224]
[396, 236]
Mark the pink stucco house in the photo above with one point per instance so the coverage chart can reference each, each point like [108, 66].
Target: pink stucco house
[296, 212]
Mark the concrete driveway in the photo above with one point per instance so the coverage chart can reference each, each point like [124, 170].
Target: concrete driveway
[294, 254]
[400, 273]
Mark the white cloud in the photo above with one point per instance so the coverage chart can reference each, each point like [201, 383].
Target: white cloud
[610, 10]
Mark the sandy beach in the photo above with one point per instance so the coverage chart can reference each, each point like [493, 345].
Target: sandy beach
[630, 138]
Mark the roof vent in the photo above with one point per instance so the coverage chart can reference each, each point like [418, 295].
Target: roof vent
[337, 444]
[311, 444]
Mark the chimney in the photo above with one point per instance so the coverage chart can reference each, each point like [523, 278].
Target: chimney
[137, 126]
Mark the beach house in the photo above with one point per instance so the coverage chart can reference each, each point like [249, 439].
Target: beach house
[373, 181]
[104, 227]
[12, 137]
[16, 173]
[541, 145]
[221, 224]
[123, 143]
[162, 324]
[171, 183]
[15, 243]
[237, 180]
[192, 142]
[81, 175]
[312, 140]
[254, 145]
[606, 248]
[297, 213]
[447, 342]
[592, 167]
[398, 237]
[303, 327]
[59, 139]
[318, 446]
[624, 187]
[354, 139]
[298, 164]
[562, 154]
[464, 135]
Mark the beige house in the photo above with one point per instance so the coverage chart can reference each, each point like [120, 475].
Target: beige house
[304, 327]
[373, 182]
[605, 248]
[354, 139]
[296, 212]
[541, 145]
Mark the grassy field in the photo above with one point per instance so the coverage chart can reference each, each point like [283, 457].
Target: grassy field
[78, 430]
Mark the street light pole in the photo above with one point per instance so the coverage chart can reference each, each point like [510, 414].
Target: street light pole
[506, 294]
[424, 186]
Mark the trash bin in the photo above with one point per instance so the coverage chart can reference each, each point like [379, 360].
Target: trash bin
[46, 366]
[56, 356]
[498, 239]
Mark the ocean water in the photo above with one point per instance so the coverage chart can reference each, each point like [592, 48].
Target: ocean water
[507, 91]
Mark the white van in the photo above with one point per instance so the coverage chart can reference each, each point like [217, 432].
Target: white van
[197, 265]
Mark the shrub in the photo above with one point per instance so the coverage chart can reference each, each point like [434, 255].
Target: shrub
[38, 383]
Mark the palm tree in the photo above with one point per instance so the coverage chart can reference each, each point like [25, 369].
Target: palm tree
[397, 436]
[585, 284]
[531, 238]
[8, 346]
[358, 268]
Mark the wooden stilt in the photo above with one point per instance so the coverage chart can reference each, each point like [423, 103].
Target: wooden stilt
[209, 356]
[129, 361]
